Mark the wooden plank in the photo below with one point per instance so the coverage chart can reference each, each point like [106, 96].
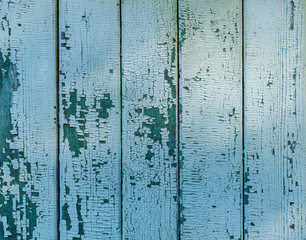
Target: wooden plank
[27, 120]
[90, 119]
[211, 119]
[149, 119]
[275, 179]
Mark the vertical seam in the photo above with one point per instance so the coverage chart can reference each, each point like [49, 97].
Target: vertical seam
[178, 120]
[57, 53]
[120, 110]
[243, 116]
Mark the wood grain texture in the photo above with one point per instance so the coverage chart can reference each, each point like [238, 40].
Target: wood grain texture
[90, 119]
[211, 119]
[27, 120]
[149, 98]
[275, 179]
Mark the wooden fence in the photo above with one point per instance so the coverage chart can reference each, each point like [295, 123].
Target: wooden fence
[152, 119]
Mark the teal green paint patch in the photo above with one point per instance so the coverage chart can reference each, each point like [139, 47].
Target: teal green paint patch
[180, 110]
[153, 183]
[149, 155]
[63, 36]
[35, 194]
[6, 203]
[170, 82]
[183, 33]
[173, 53]
[270, 83]
[159, 123]
[79, 110]
[171, 127]
[98, 164]
[67, 190]
[247, 189]
[232, 113]
[182, 219]
[246, 199]
[9, 203]
[160, 120]
[65, 39]
[8, 83]
[31, 213]
[196, 78]
[66, 217]
[246, 176]
[71, 134]
[72, 109]
[139, 110]
[28, 166]
[104, 105]
[80, 218]
[84, 108]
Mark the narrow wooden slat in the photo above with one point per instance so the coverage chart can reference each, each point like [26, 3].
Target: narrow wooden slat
[149, 119]
[275, 179]
[27, 120]
[89, 119]
[211, 119]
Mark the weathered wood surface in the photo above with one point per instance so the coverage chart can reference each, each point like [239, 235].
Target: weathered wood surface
[211, 119]
[89, 119]
[275, 176]
[27, 120]
[149, 118]
[123, 119]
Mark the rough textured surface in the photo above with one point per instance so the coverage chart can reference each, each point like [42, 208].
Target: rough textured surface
[27, 120]
[149, 119]
[275, 179]
[211, 121]
[89, 120]
[139, 116]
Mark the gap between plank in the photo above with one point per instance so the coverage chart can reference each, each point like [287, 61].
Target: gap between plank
[57, 53]
[120, 110]
[243, 115]
[178, 121]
